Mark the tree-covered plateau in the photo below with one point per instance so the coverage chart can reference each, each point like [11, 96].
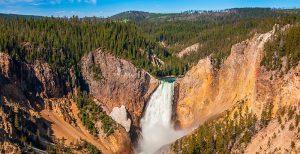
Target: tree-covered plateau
[62, 42]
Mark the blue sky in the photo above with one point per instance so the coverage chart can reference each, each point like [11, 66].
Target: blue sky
[110, 7]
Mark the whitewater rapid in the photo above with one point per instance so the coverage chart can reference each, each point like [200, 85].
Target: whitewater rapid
[156, 124]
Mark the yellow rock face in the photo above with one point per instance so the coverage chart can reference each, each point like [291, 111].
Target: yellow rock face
[204, 94]
[195, 87]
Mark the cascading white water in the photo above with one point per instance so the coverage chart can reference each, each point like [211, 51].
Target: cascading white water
[156, 124]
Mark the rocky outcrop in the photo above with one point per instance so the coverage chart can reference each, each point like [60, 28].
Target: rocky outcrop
[35, 79]
[49, 79]
[188, 50]
[20, 74]
[115, 82]
[118, 142]
[61, 107]
[195, 90]
[155, 61]
[7, 147]
[5, 61]
[204, 93]
[119, 114]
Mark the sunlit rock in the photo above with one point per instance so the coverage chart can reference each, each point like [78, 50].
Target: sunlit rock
[119, 114]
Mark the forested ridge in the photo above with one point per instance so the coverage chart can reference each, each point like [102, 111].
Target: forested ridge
[61, 42]
[286, 45]
[215, 31]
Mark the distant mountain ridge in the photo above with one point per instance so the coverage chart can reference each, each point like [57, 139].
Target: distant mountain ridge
[134, 15]
[19, 15]
[192, 15]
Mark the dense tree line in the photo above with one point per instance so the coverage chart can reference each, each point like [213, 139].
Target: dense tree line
[62, 42]
[90, 113]
[215, 31]
[286, 44]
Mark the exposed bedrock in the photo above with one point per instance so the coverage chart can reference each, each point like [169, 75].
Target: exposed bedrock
[115, 82]
[204, 93]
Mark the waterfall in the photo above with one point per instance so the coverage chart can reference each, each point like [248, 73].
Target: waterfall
[156, 124]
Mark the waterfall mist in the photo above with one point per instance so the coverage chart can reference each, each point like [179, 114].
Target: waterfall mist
[157, 127]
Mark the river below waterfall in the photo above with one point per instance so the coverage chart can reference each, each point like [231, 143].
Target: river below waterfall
[156, 124]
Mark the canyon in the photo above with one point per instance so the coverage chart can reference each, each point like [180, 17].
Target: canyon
[205, 94]
[143, 106]
[39, 92]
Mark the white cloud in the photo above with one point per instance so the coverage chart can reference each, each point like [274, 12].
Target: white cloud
[38, 2]
[16, 1]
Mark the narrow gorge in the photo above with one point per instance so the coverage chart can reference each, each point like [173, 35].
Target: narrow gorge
[205, 94]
